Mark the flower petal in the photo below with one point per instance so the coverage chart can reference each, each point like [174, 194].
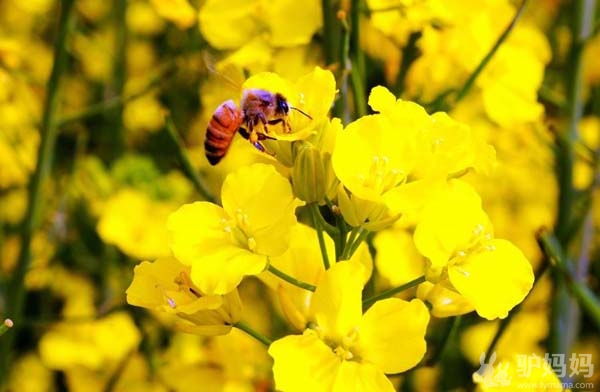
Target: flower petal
[336, 304]
[195, 230]
[361, 377]
[221, 272]
[391, 324]
[494, 279]
[303, 363]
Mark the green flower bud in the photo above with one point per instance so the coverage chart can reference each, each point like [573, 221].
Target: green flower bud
[312, 174]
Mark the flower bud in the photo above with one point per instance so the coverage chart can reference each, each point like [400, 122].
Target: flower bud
[312, 174]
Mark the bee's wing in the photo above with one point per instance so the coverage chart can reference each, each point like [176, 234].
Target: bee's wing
[229, 76]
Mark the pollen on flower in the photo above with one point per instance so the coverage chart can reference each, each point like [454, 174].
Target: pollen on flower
[225, 223]
[490, 247]
[241, 218]
[478, 230]
[351, 338]
[251, 243]
[343, 353]
[381, 176]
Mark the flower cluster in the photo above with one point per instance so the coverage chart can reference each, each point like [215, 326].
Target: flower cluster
[405, 196]
[397, 166]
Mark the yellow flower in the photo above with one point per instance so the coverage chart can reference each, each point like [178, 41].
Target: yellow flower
[455, 234]
[90, 344]
[229, 25]
[136, 224]
[343, 348]
[399, 156]
[165, 286]
[28, 373]
[303, 261]
[179, 12]
[224, 244]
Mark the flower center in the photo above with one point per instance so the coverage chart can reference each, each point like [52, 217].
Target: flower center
[382, 176]
[239, 228]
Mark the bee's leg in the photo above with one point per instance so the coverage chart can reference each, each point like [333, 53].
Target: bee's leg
[260, 147]
[262, 136]
[245, 134]
[285, 123]
[261, 117]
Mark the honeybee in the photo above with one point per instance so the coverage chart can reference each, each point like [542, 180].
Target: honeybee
[258, 110]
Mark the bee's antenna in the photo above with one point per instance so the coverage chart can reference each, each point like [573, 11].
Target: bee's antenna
[298, 110]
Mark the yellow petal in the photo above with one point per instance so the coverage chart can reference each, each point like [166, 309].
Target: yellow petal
[259, 193]
[179, 12]
[196, 229]
[444, 302]
[336, 306]
[361, 377]
[495, 279]
[303, 363]
[291, 28]
[221, 272]
[216, 18]
[391, 325]
[381, 99]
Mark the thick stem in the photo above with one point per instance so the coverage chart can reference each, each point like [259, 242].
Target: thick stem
[16, 286]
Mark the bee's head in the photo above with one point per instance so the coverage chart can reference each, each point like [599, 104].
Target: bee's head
[283, 107]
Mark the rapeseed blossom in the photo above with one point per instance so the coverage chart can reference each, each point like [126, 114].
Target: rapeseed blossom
[343, 349]
[165, 286]
[430, 148]
[399, 156]
[224, 244]
[456, 236]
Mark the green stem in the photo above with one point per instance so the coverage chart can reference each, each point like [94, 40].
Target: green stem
[357, 60]
[362, 235]
[393, 291]
[582, 293]
[290, 279]
[357, 236]
[255, 334]
[186, 161]
[331, 46]
[16, 286]
[314, 209]
[471, 80]
[449, 337]
[565, 317]
[341, 230]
